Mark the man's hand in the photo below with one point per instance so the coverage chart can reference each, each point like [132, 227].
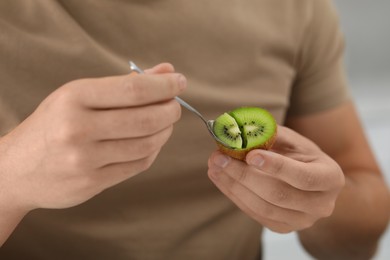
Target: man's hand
[286, 189]
[88, 135]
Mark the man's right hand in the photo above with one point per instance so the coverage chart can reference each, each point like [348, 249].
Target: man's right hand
[88, 135]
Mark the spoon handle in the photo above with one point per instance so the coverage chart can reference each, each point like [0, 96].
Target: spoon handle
[190, 108]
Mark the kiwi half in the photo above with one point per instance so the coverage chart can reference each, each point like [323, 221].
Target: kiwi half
[245, 129]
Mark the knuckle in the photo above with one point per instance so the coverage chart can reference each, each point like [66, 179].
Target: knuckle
[167, 133]
[69, 133]
[242, 175]
[133, 89]
[166, 66]
[63, 96]
[65, 134]
[161, 138]
[327, 210]
[150, 145]
[171, 111]
[309, 180]
[176, 111]
[280, 196]
[305, 223]
[87, 187]
[268, 211]
[149, 123]
[232, 186]
[125, 170]
[76, 159]
[145, 164]
[172, 84]
[340, 179]
[278, 166]
[87, 181]
[323, 209]
[158, 118]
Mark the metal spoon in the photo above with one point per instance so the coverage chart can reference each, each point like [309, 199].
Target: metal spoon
[209, 123]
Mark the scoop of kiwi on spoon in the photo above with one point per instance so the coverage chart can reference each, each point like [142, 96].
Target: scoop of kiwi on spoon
[239, 131]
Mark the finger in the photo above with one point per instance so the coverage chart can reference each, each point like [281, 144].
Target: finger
[116, 173]
[135, 122]
[125, 150]
[275, 218]
[303, 176]
[291, 144]
[264, 185]
[281, 194]
[160, 68]
[127, 91]
[308, 176]
[275, 191]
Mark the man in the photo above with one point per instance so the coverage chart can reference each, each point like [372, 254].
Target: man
[87, 168]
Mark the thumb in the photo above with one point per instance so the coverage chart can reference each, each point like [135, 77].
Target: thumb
[290, 142]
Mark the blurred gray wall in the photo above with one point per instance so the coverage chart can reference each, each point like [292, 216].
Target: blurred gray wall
[366, 25]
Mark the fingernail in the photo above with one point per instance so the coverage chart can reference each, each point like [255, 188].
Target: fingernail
[182, 82]
[256, 161]
[221, 160]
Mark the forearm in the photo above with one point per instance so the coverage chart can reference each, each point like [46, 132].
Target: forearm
[359, 219]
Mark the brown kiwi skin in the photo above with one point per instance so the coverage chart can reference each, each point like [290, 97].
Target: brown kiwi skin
[240, 154]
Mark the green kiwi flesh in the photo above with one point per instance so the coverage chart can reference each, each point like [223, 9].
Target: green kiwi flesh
[257, 125]
[244, 129]
[226, 129]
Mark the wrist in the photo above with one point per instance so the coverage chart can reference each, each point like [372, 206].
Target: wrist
[11, 192]
[12, 210]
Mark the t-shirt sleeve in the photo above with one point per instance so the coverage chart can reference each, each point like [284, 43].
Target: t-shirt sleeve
[320, 81]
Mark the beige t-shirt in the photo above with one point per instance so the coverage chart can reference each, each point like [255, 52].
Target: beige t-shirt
[285, 56]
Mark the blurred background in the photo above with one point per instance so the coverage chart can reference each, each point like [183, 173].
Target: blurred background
[366, 25]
